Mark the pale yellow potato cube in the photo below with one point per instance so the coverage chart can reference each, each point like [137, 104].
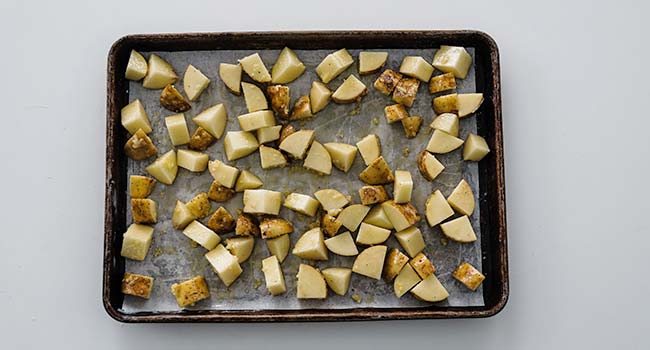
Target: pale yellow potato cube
[279, 246]
[159, 73]
[430, 289]
[319, 96]
[230, 74]
[177, 129]
[297, 144]
[268, 134]
[370, 148]
[401, 215]
[311, 284]
[202, 235]
[370, 235]
[338, 279]
[223, 173]
[403, 186]
[395, 113]
[353, 215]
[441, 142]
[241, 247]
[370, 262]
[287, 67]
[144, 211]
[140, 186]
[262, 202]
[437, 209]
[191, 291]
[273, 275]
[194, 82]
[462, 198]
[238, 144]
[475, 148]
[213, 120]
[416, 67]
[459, 230]
[256, 120]
[247, 181]
[224, 264]
[371, 62]
[351, 90]
[192, 160]
[137, 67]
[333, 65]
[331, 199]
[301, 203]
[342, 155]
[447, 122]
[453, 59]
[254, 97]
[165, 168]
[442, 82]
[405, 280]
[446, 104]
[134, 117]
[271, 158]
[429, 166]
[255, 68]
[318, 159]
[311, 245]
[342, 244]
[181, 216]
[411, 240]
[468, 103]
[136, 242]
[378, 217]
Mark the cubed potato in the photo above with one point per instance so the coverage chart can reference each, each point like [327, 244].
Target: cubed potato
[351, 90]
[333, 65]
[430, 289]
[247, 181]
[279, 246]
[280, 99]
[437, 209]
[330, 224]
[371, 62]
[224, 174]
[230, 74]
[139, 146]
[446, 104]
[370, 262]
[191, 291]
[442, 82]
[387, 81]
[177, 129]
[165, 168]
[134, 117]
[192, 160]
[247, 225]
[202, 235]
[378, 217]
[273, 275]
[378, 172]
[221, 221]
[268, 134]
[136, 242]
[272, 227]
[254, 98]
[256, 120]
[224, 264]
[403, 186]
[422, 265]
[181, 216]
[172, 100]
[411, 126]
[342, 155]
[338, 279]
[311, 284]
[144, 211]
[371, 235]
[194, 82]
[468, 275]
[395, 113]
[372, 194]
[353, 215]
[441, 142]
[342, 244]
[213, 120]
[370, 148]
[429, 166]
[287, 67]
[301, 203]
[255, 68]
[199, 206]
[468, 103]
[462, 198]
[475, 148]
[453, 59]
[137, 285]
[262, 202]
[447, 122]
[331, 199]
[401, 215]
[271, 158]
[311, 245]
[241, 247]
[405, 280]
[159, 73]
[201, 140]
[416, 67]
[301, 109]
[459, 230]
[239, 144]
[405, 91]
[220, 193]
[297, 144]
[411, 240]
[318, 159]
[395, 261]
[137, 67]
[140, 186]
[319, 96]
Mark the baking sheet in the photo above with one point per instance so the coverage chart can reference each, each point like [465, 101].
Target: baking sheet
[173, 257]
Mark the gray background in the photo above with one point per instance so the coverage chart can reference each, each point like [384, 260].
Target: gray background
[577, 158]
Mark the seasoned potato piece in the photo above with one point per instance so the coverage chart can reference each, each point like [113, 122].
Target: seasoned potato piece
[192, 160]
[159, 73]
[311, 283]
[395, 113]
[241, 247]
[137, 67]
[416, 67]
[213, 120]
[301, 203]
[286, 130]
[319, 96]
[247, 225]
[137, 285]
[144, 211]
[140, 186]
[165, 168]
[254, 98]
[370, 148]
[268, 134]
[311, 245]
[134, 117]
[468, 275]
[447, 122]
[177, 129]
[181, 216]
[136, 242]
[191, 291]
[342, 155]
[255, 68]
[333, 65]
[401, 215]
[297, 143]
[220, 193]
[318, 159]
[468, 103]
[331, 199]
[221, 221]
[440, 142]
[442, 82]
[405, 91]
[372, 194]
[224, 264]
[171, 99]
[239, 144]
[201, 140]
[280, 99]
[342, 244]
[330, 224]
[446, 104]
[279, 246]
[272, 227]
[405, 280]
[351, 90]
[273, 275]
[377, 173]
[247, 181]
[395, 261]
[194, 82]
[403, 186]
[202, 235]
[437, 208]
[422, 265]
[430, 289]
[475, 148]
[453, 59]
[271, 158]
[370, 262]
[287, 67]
[459, 230]
[371, 235]
[301, 109]
[371, 62]
[387, 81]
[230, 74]
[411, 240]
[224, 174]
[139, 146]
[411, 126]
[338, 279]
[199, 206]
[462, 198]
[353, 215]
[262, 202]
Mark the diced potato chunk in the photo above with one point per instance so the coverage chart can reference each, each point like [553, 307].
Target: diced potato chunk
[144, 210]
[370, 262]
[447, 122]
[139, 146]
[159, 74]
[194, 82]
[342, 155]
[279, 246]
[238, 144]
[213, 120]
[411, 126]
[301, 203]
[351, 90]
[220, 193]
[342, 244]
[430, 289]
[137, 285]
[319, 96]
[441, 142]
[401, 215]
[254, 97]
[437, 208]
[453, 59]
[241, 247]
[134, 117]
[165, 168]
[371, 235]
[271, 158]
[371, 62]
[405, 91]
[224, 174]
[446, 104]
[395, 261]
[377, 173]
[199, 206]
[318, 159]
[411, 240]
[311, 245]
[442, 82]
[331, 199]
[221, 221]
[191, 291]
[395, 113]
[280, 99]
[370, 148]
[136, 242]
[333, 65]
[475, 148]
[338, 279]
[429, 166]
[416, 67]
[247, 181]
[462, 198]
[287, 67]
[177, 129]
[422, 265]
[140, 186]
[387, 81]
[297, 144]
[256, 120]
[230, 74]
[372, 194]
[262, 202]
[330, 224]
[273, 275]
[468, 275]
[405, 280]
[403, 186]
[202, 235]
[192, 160]
[224, 264]
[311, 284]
[171, 99]
[272, 227]
[268, 134]
[255, 68]
[247, 225]
[378, 217]
[137, 67]
[353, 215]
[459, 230]
[181, 217]
[201, 140]
[468, 103]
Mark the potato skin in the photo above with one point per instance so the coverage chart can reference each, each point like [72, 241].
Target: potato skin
[221, 221]
[139, 146]
[329, 224]
[411, 126]
[468, 275]
[201, 140]
[220, 193]
[280, 99]
[377, 173]
[199, 206]
[446, 104]
[372, 194]
[395, 261]
[141, 186]
[395, 113]
[301, 109]
[271, 227]
[286, 130]
[246, 225]
[422, 265]
[442, 82]
[422, 167]
[387, 81]
[144, 211]
[137, 285]
[171, 99]
[405, 91]
[407, 210]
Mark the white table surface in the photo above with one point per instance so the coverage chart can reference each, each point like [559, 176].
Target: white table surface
[575, 98]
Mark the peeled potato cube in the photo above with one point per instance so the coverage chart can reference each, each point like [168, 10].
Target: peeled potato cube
[194, 82]
[411, 240]
[342, 155]
[331, 199]
[256, 120]
[372, 194]
[330, 224]
[213, 120]
[279, 246]
[246, 225]
[201, 140]
[475, 148]
[422, 265]
[447, 122]
[137, 285]
[468, 103]
[411, 126]
[387, 81]
[371, 62]
[191, 291]
[319, 96]
[254, 97]
[429, 166]
[468, 275]
[403, 186]
[139, 146]
[338, 279]
[165, 168]
[437, 209]
[136, 242]
[311, 245]
[311, 284]
[241, 247]
[459, 230]
[144, 210]
[405, 91]
[405, 280]
[297, 144]
[181, 216]
[342, 244]
[199, 206]
[134, 117]
[136, 69]
[247, 181]
[441, 142]
[224, 264]
[333, 65]
[230, 74]
[430, 289]
[220, 193]
[280, 99]
[274, 227]
[377, 173]
[395, 261]
[318, 159]
[395, 113]
[224, 174]
[370, 262]
[140, 186]
[351, 90]
[352, 216]
[446, 104]
[159, 73]
[416, 67]
[192, 160]
[401, 215]
[453, 59]
[177, 129]
[271, 158]
[202, 235]
[287, 67]
[262, 202]
[442, 82]
[255, 68]
[371, 235]
[221, 222]
[273, 275]
[238, 144]
[301, 203]
[268, 134]
[370, 148]
[462, 198]
[378, 217]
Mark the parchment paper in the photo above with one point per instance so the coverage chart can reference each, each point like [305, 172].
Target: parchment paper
[173, 258]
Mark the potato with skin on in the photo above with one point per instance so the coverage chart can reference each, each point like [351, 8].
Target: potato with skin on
[140, 186]
[247, 225]
[468, 275]
[139, 146]
[459, 230]
[165, 168]
[437, 209]
[318, 159]
[401, 215]
[241, 247]
[342, 244]
[301, 109]
[279, 246]
[230, 74]
[395, 113]
[247, 181]
[378, 172]
[191, 291]
[370, 194]
[351, 90]
[370, 148]
[331, 199]
[370, 262]
[411, 240]
[378, 217]
[201, 235]
[199, 206]
[271, 158]
[395, 261]
[430, 289]
[311, 245]
[403, 186]
[453, 59]
[330, 224]
[262, 202]
[338, 279]
[371, 62]
[137, 67]
[201, 139]
[177, 129]
[273, 275]
[220, 193]
[172, 100]
[405, 91]
[272, 227]
[447, 122]
[144, 210]
[224, 264]
[297, 144]
[422, 265]
[221, 221]
[134, 117]
[181, 217]
[224, 174]
[429, 166]
[353, 215]
[311, 283]
[287, 67]
[441, 143]
[136, 242]
[192, 160]
[256, 120]
[194, 82]
[468, 103]
[280, 99]
[159, 73]
[254, 97]
[475, 148]
[462, 198]
[371, 235]
[268, 134]
[446, 104]
[387, 81]
[319, 96]
[416, 67]
[405, 280]
[443, 82]
[301, 203]
[137, 285]
[239, 144]
[255, 68]
[213, 120]
[411, 126]
[333, 65]
[342, 155]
